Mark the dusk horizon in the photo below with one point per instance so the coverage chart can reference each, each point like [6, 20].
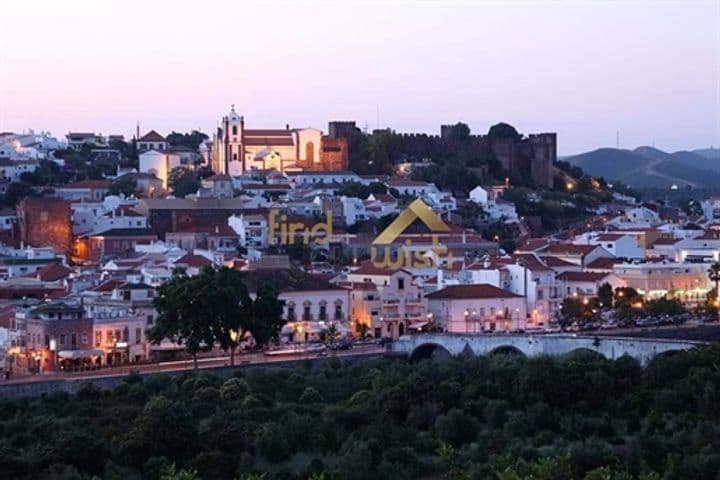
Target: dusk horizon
[586, 71]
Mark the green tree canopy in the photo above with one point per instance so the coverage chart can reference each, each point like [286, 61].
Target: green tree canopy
[183, 181]
[503, 130]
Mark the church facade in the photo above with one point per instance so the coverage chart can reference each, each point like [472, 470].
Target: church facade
[237, 149]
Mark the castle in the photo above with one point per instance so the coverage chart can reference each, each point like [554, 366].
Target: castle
[237, 149]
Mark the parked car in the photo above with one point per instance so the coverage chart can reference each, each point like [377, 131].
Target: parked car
[341, 344]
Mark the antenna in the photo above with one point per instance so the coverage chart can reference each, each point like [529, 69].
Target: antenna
[617, 139]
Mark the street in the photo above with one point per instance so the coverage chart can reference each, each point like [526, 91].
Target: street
[187, 365]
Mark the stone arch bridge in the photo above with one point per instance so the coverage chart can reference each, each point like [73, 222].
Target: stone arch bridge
[443, 344]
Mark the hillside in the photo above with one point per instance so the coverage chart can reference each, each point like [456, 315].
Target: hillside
[649, 167]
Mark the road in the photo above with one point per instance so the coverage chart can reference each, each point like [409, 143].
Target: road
[187, 365]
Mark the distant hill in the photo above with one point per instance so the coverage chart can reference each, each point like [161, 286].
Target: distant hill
[649, 167]
[712, 153]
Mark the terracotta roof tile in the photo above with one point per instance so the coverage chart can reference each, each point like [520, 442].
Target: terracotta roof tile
[481, 290]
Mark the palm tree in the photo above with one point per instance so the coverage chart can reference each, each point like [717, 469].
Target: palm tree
[714, 275]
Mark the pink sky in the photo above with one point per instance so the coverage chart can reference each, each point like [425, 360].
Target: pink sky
[583, 69]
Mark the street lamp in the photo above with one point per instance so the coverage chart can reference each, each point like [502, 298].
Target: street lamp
[53, 349]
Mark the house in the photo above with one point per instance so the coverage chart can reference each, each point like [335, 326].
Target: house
[477, 308]
[411, 187]
[574, 253]
[159, 163]
[120, 336]
[84, 190]
[252, 229]
[46, 222]
[390, 309]
[586, 284]
[116, 242]
[152, 141]
[58, 333]
[666, 278]
[309, 178]
[711, 209]
[619, 244]
[311, 304]
[77, 140]
[193, 264]
[220, 186]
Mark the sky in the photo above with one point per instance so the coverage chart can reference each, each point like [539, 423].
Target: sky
[583, 69]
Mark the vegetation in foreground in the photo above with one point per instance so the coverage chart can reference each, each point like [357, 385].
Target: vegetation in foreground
[501, 417]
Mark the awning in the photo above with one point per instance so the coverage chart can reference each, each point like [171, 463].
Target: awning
[75, 354]
[417, 326]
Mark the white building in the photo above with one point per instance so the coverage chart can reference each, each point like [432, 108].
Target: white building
[586, 284]
[687, 281]
[477, 308]
[152, 141]
[620, 245]
[159, 164]
[252, 229]
[411, 187]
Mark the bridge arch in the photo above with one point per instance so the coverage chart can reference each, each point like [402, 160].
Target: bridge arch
[584, 353]
[507, 350]
[430, 351]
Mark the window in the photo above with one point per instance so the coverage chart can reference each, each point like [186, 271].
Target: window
[149, 319]
[138, 335]
[338, 312]
[291, 313]
[109, 337]
[234, 130]
[84, 338]
[62, 339]
[323, 312]
[306, 313]
[98, 338]
[401, 284]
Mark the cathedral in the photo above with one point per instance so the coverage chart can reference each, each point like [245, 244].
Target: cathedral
[237, 149]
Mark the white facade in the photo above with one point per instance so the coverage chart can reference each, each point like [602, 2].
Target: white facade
[159, 164]
[252, 230]
[478, 314]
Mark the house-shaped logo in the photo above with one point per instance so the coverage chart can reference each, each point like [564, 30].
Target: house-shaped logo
[415, 210]
[408, 255]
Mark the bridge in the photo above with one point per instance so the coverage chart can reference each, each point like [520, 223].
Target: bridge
[439, 345]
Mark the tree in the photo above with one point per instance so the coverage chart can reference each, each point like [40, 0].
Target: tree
[182, 313]
[190, 140]
[125, 185]
[266, 319]
[230, 307]
[183, 181]
[363, 330]
[502, 131]
[605, 294]
[171, 473]
[714, 276]
[15, 192]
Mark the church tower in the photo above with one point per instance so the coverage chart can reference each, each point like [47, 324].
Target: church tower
[229, 144]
